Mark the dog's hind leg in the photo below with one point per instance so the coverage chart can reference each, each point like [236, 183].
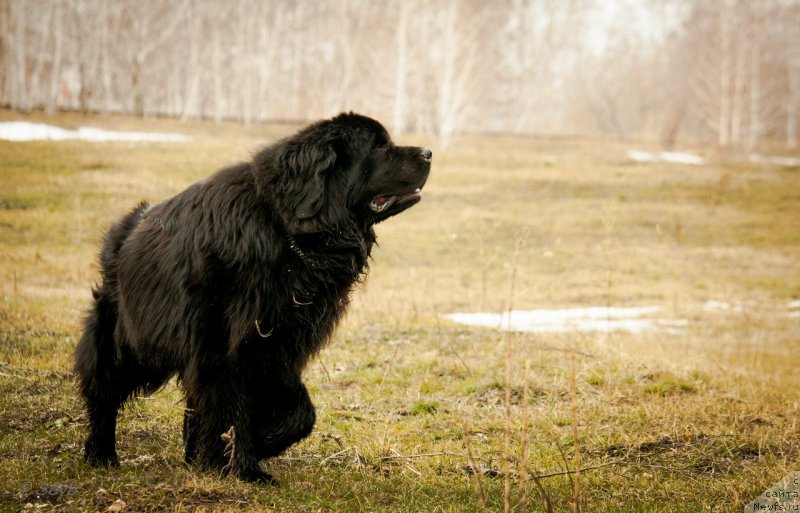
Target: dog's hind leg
[101, 383]
[104, 383]
[100, 449]
[107, 377]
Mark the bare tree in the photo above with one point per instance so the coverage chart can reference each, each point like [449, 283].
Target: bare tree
[401, 67]
[461, 64]
[55, 71]
[13, 25]
[269, 37]
[147, 25]
[197, 16]
[539, 49]
[792, 105]
[724, 89]
[793, 71]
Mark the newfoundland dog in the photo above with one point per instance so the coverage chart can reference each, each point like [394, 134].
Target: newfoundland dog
[234, 284]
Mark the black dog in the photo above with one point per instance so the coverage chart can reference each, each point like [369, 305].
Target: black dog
[235, 283]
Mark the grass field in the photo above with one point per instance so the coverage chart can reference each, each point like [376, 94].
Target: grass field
[416, 413]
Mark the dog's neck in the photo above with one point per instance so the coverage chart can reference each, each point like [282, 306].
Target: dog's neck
[318, 252]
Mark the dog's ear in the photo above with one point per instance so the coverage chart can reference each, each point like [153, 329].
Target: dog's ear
[307, 164]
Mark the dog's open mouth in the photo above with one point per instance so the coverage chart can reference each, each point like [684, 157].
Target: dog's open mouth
[381, 203]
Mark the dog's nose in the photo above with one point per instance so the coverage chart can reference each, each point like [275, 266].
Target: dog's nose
[427, 154]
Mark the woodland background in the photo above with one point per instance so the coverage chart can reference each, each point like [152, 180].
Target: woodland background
[714, 73]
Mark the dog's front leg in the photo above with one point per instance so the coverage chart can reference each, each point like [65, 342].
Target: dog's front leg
[219, 426]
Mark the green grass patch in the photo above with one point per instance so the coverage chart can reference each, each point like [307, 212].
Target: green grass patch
[425, 408]
[666, 384]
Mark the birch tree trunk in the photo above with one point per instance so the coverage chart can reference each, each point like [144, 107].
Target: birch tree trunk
[738, 89]
[792, 105]
[399, 107]
[105, 63]
[724, 126]
[447, 101]
[216, 71]
[55, 71]
[754, 132]
[793, 70]
[244, 66]
[20, 101]
[190, 105]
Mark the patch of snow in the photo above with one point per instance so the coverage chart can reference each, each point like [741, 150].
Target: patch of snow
[785, 161]
[715, 306]
[682, 158]
[603, 319]
[666, 156]
[721, 306]
[778, 161]
[641, 156]
[96, 134]
[569, 320]
[25, 131]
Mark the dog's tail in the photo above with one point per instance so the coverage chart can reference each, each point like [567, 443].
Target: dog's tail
[96, 352]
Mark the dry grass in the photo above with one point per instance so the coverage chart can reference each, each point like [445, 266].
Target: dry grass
[414, 412]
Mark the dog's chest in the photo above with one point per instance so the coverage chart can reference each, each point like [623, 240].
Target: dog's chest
[319, 295]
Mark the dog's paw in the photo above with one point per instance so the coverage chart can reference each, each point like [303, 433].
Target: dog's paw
[256, 476]
[101, 459]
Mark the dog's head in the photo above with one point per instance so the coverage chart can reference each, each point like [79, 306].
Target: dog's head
[343, 169]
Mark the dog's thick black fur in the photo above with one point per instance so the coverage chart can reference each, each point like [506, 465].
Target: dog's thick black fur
[235, 283]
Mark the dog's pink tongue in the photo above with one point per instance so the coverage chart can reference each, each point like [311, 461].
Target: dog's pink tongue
[381, 200]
